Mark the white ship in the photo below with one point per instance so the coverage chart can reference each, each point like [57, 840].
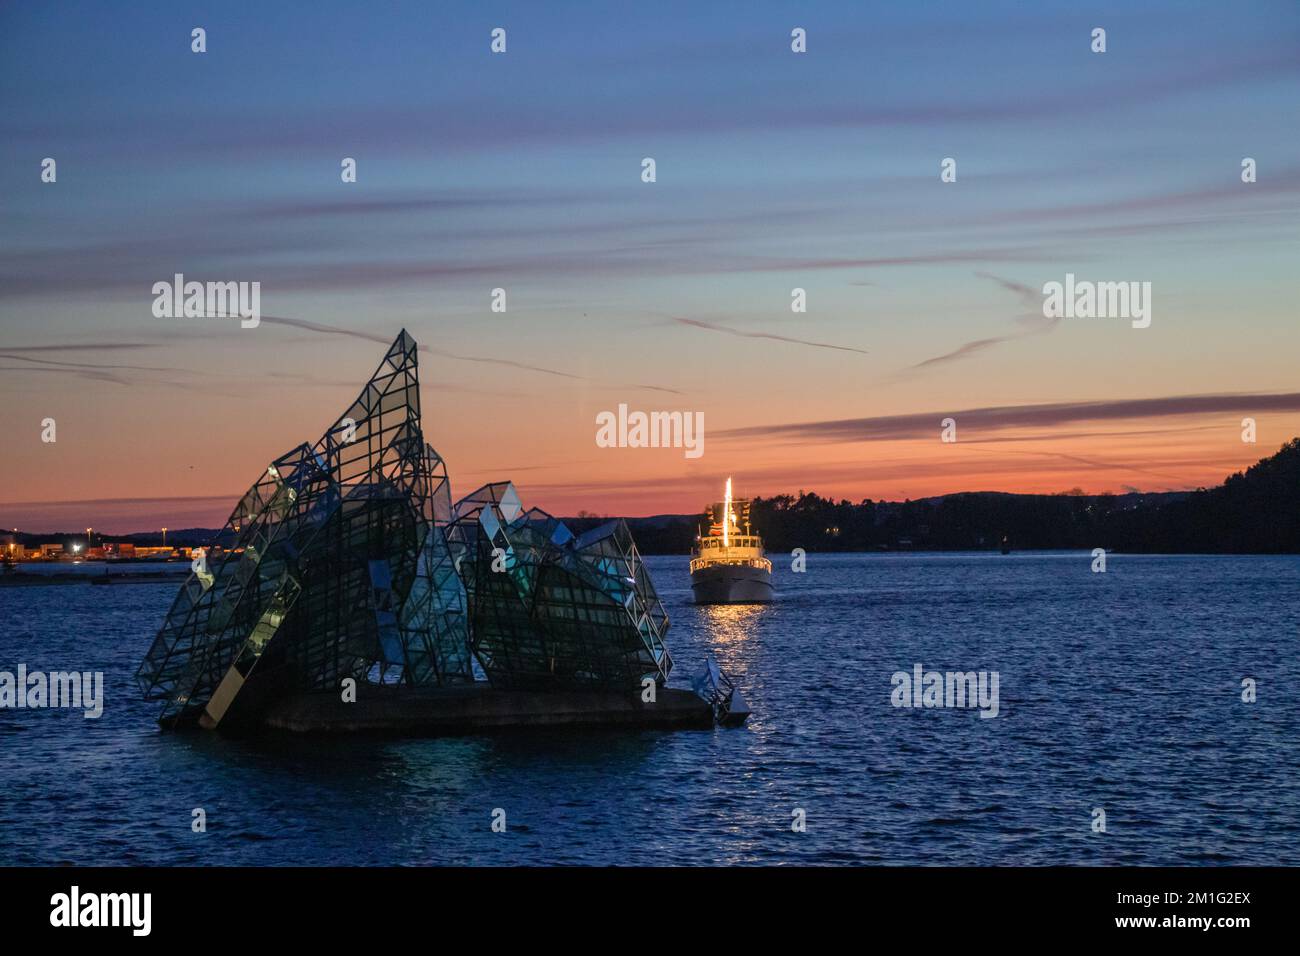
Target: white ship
[727, 565]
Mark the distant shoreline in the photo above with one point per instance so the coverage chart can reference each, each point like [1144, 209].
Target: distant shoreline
[1253, 512]
[22, 578]
[36, 579]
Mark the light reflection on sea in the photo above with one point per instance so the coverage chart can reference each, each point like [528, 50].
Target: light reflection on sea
[1119, 691]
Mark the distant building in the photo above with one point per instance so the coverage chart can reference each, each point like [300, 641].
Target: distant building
[157, 553]
[51, 550]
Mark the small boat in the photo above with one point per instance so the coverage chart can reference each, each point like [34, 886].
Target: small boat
[727, 565]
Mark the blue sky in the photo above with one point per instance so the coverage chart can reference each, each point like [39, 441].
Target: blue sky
[522, 171]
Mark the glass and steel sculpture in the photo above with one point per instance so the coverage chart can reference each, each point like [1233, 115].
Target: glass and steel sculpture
[338, 569]
[547, 609]
[348, 561]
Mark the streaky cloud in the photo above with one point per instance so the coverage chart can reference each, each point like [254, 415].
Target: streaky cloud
[5, 354]
[1048, 415]
[965, 351]
[441, 353]
[414, 202]
[83, 373]
[80, 347]
[714, 327]
[1029, 295]
[1033, 323]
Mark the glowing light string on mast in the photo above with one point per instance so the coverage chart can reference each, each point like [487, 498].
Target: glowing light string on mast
[726, 515]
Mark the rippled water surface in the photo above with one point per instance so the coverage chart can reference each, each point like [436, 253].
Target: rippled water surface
[1119, 691]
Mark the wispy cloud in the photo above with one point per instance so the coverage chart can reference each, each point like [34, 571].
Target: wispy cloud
[82, 373]
[1033, 321]
[134, 270]
[964, 351]
[468, 123]
[1080, 460]
[994, 418]
[395, 204]
[1280, 183]
[5, 354]
[81, 347]
[1029, 297]
[441, 353]
[742, 333]
[104, 372]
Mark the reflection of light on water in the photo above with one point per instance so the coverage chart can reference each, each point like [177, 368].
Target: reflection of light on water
[729, 628]
[730, 622]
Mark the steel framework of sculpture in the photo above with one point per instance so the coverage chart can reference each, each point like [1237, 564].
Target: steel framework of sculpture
[547, 608]
[349, 562]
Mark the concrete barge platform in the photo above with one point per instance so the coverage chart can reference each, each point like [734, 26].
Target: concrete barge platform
[480, 708]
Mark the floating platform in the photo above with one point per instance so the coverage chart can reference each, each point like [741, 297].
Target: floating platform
[480, 708]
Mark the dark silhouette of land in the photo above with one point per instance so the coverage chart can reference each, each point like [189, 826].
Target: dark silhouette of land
[1253, 512]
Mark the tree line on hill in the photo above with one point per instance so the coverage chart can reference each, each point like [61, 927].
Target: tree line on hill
[1255, 511]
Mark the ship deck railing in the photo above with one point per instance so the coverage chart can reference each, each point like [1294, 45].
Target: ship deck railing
[700, 563]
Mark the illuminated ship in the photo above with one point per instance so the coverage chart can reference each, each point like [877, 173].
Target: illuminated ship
[727, 566]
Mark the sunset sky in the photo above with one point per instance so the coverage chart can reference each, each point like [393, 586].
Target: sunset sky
[522, 170]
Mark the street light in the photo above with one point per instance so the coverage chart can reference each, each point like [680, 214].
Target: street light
[164, 537]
